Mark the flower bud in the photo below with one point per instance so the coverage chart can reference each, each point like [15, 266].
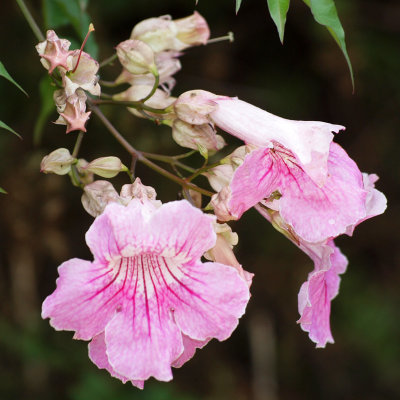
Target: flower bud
[167, 64]
[220, 203]
[85, 176]
[159, 100]
[195, 106]
[136, 56]
[162, 33]
[97, 195]
[195, 136]
[222, 251]
[159, 33]
[106, 167]
[137, 190]
[195, 197]
[221, 175]
[57, 162]
[192, 30]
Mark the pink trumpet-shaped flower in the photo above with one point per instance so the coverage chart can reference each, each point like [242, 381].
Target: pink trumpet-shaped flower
[147, 302]
[315, 213]
[295, 168]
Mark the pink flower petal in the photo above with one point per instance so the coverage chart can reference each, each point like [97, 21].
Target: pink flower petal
[190, 347]
[182, 230]
[314, 298]
[319, 213]
[208, 300]
[253, 181]
[321, 287]
[201, 301]
[86, 298]
[375, 202]
[143, 340]
[98, 354]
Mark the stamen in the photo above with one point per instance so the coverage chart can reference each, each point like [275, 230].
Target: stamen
[229, 37]
[91, 29]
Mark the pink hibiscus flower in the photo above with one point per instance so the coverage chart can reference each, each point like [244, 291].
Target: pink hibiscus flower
[147, 302]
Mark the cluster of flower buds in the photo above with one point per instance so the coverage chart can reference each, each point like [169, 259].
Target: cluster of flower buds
[150, 58]
[154, 49]
[75, 71]
[147, 301]
[61, 162]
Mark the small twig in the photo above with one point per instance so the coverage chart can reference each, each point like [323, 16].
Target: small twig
[31, 21]
[173, 160]
[134, 104]
[108, 60]
[77, 144]
[203, 169]
[153, 90]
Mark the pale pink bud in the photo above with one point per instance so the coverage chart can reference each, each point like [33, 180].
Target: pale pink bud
[72, 110]
[195, 136]
[167, 64]
[106, 167]
[97, 195]
[85, 176]
[159, 33]
[54, 52]
[57, 162]
[159, 100]
[192, 30]
[136, 56]
[222, 251]
[221, 175]
[220, 204]
[137, 190]
[195, 197]
[164, 34]
[195, 106]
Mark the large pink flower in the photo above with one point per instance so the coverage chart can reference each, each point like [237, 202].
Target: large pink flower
[295, 168]
[147, 302]
[274, 175]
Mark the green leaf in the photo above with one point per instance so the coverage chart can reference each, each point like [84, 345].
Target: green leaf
[5, 74]
[6, 127]
[46, 90]
[3, 191]
[278, 10]
[325, 13]
[238, 3]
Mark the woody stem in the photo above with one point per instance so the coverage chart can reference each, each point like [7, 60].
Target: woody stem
[139, 155]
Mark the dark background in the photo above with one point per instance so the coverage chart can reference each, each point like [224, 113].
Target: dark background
[268, 357]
